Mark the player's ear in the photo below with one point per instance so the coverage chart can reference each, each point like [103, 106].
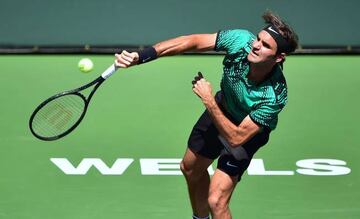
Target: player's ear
[280, 57]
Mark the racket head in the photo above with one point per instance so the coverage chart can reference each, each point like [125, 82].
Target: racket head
[58, 115]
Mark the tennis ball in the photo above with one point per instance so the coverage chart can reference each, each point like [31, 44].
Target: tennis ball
[85, 65]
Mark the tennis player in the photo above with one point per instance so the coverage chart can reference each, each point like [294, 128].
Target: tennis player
[240, 117]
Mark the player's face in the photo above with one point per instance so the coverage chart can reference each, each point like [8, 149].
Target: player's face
[263, 49]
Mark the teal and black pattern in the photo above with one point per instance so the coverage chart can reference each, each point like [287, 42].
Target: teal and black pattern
[262, 102]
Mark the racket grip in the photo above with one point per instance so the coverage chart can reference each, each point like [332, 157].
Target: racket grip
[109, 71]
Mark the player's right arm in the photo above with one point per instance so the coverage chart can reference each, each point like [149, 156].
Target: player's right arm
[195, 43]
[178, 45]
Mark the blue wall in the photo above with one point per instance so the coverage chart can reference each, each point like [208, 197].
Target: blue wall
[139, 22]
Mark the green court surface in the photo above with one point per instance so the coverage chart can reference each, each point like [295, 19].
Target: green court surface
[137, 128]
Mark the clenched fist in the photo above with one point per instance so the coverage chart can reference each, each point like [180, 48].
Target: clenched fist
[126, 59]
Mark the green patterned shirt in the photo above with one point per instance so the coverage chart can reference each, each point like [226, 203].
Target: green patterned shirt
[262, 102]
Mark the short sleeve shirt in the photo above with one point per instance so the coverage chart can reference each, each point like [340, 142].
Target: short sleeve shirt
[262, 102]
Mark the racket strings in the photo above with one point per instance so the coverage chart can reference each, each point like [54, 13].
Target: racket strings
[58, 115]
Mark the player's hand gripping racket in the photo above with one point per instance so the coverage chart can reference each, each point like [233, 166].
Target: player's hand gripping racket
[60, 114]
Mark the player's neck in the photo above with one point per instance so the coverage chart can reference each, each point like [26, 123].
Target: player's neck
[259, 72]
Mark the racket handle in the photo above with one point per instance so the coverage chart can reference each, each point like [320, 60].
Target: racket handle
[109, 71]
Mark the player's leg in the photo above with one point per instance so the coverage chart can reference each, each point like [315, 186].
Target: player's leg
[194, 168]
[229, 172]
[203, 147]
[221, 188]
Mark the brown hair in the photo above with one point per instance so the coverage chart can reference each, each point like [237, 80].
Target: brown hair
[286, 31]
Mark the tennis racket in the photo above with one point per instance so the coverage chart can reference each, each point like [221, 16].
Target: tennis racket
[60, 114]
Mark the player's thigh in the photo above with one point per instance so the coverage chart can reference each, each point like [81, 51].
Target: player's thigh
[193, 163]
[222, 186]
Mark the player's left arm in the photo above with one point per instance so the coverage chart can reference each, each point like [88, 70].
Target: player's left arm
[235, 135]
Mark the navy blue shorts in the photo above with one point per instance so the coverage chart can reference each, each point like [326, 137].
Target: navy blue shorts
[204, 140]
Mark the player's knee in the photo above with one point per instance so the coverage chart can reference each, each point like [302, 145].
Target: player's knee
[189, 172]
[185, 169]
[217, 203]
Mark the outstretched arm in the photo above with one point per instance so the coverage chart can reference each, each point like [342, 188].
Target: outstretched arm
[195, 42]
[178, 45]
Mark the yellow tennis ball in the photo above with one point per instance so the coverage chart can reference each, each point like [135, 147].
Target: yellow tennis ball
[85, 65]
